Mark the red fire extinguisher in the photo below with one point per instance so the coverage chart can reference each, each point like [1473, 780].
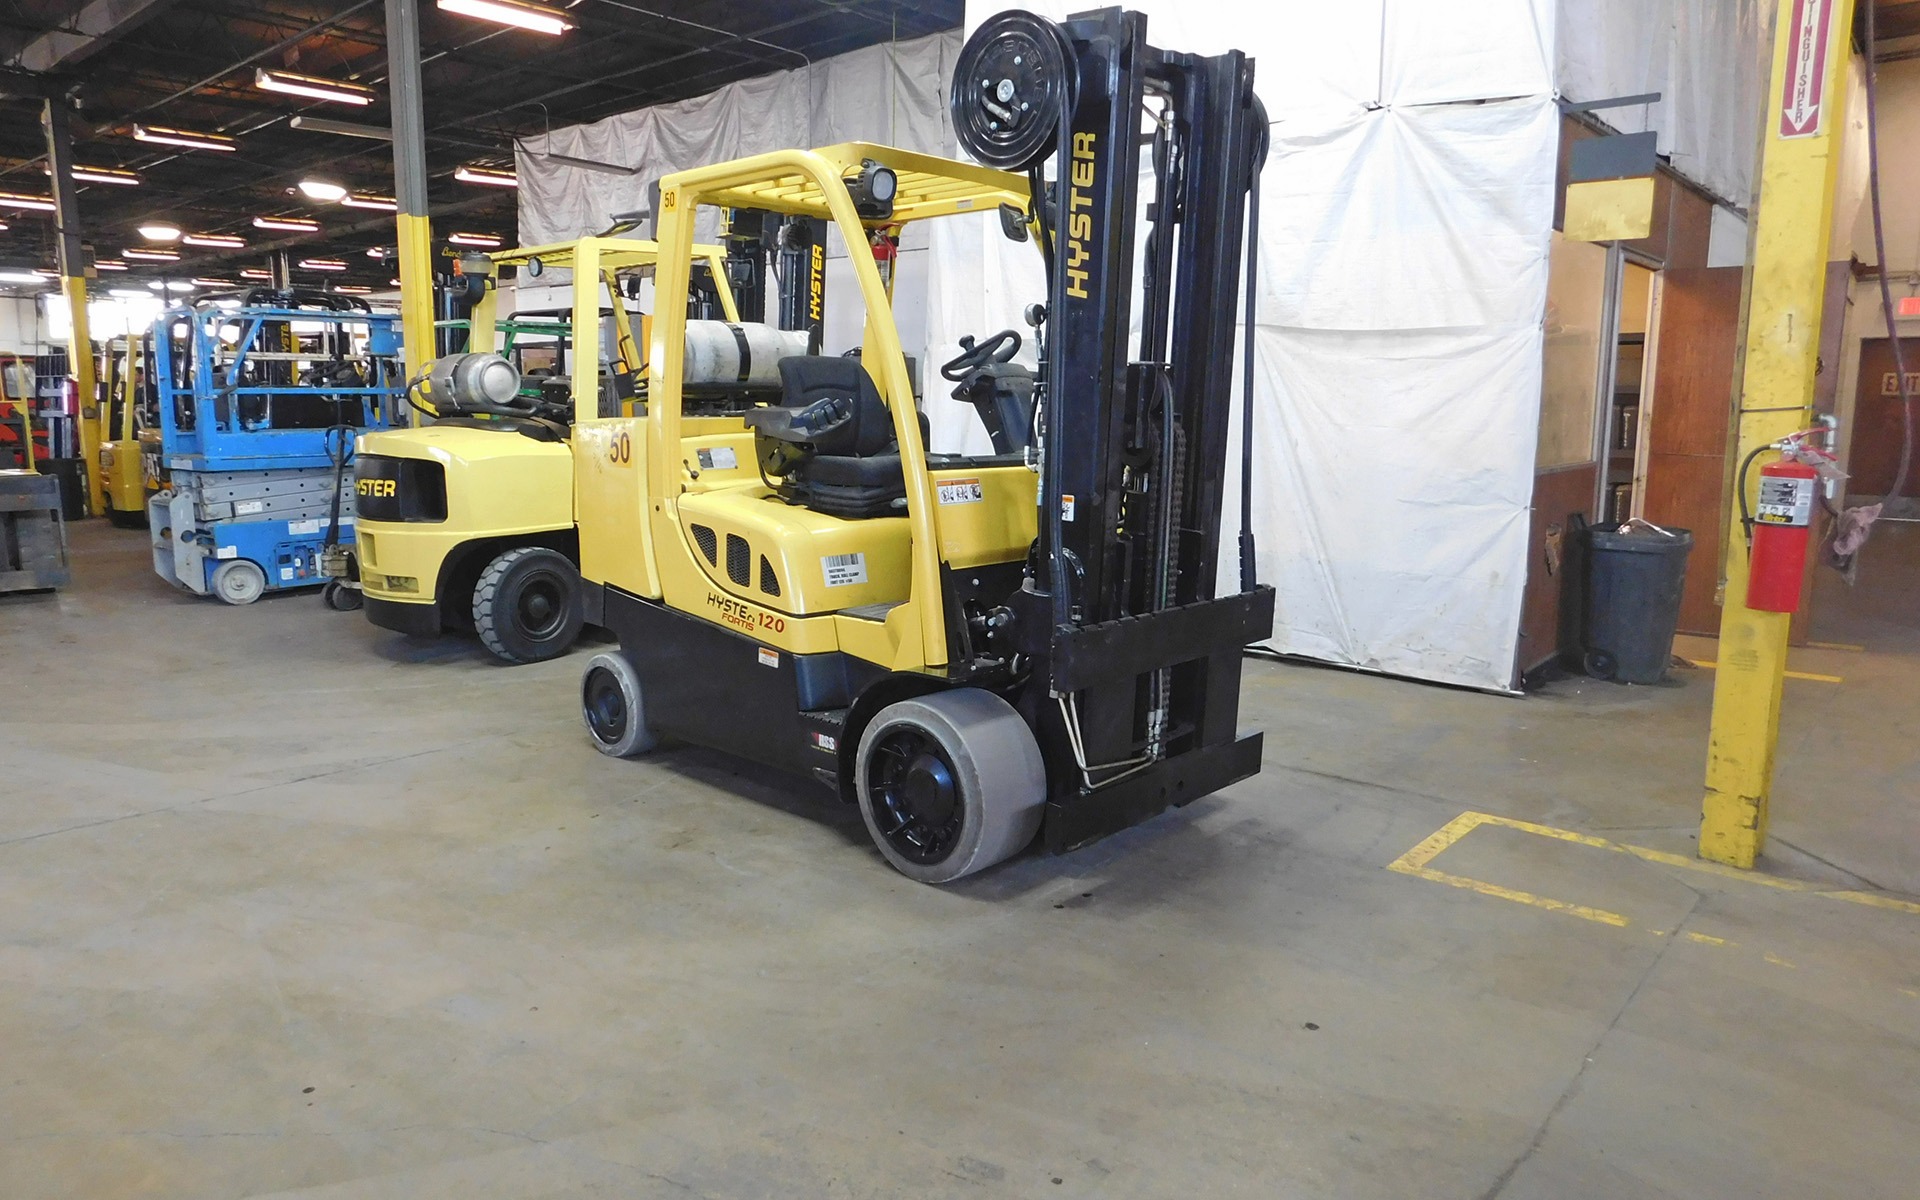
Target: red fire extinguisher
[1782, 521]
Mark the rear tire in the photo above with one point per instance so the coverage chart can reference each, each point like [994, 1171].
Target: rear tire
[123, 519]
[614, 708]
[950, 784]
[238, 581]
[526, 607]
[341, 598]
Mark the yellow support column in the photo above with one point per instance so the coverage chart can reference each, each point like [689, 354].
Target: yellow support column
[410, 185]
[1786, 290]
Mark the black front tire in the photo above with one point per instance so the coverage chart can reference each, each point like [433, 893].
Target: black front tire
[614, 708]
[950, 784]
[526, 607]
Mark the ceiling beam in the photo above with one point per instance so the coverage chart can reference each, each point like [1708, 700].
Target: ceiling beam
[93, 28]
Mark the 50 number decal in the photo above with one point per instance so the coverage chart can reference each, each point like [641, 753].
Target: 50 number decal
[620, 449]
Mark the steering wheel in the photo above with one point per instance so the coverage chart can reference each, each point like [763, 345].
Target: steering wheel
[999, 348]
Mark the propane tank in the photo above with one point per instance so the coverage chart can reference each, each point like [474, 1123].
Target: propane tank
[1782, 521]
[749, 353]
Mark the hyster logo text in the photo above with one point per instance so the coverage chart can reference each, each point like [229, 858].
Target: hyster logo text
[376, 487]
[816, 297]
[1080, 214]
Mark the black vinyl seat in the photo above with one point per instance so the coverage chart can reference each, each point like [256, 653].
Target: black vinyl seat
[829, 445]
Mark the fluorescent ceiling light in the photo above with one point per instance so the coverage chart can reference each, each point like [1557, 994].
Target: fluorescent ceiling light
[149, 255]
[491, 176]
[191, 139]
[518, 13]
[393, 283]
[322, 190]
[4, 226]
[109, 264]
[128, 293]
[213, 283]
[22, 200]
[86, 174]
[377, 203]
[591, 164]
[255, 273]
[484, 240]
[160, 231]
[342, 128]
[376, 251]
[220, 241]
[169, 285]
[290, 224]
[352, 289]
[322, 264]
[295, 84]
[9, 275]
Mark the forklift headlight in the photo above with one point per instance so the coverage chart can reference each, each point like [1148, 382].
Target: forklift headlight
[873, 188]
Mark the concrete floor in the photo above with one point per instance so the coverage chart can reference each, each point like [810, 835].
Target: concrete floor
[292, 907]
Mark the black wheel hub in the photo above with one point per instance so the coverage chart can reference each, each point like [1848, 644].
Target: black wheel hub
[541, 607]
[916, 796]
[606, 706]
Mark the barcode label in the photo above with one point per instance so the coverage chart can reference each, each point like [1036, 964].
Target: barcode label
[841, 570]
[720, 458]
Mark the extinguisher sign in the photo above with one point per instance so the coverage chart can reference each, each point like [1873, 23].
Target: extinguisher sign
[1784, 500]
[1803, 91]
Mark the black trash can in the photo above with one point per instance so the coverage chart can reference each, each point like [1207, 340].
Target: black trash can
[73, 485]
[1634, 578]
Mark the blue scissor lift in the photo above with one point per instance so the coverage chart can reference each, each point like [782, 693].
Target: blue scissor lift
[261, 396]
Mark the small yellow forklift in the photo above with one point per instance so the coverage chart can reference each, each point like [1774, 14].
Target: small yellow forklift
[467, 522]
[975, 650]
[129, 458]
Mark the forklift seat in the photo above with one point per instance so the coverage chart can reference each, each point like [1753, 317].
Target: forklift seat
[830, 443]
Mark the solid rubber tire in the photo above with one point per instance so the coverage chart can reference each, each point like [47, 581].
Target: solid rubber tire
[633, 736]
[496, 599]
[249, 579]
[1002, 780]
[341, 598]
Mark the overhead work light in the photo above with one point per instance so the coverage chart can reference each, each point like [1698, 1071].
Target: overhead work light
[490, 176]
[485, 241]
[108, 264]
[192, 139]
[519, 13]
[287, 224]
[341, 128]
[325, 191]
[217, 241]
[377, 203]
[21, 200]
[255, 273]
[160, 231]
[293, 83]
[113, 175]
[143, 255]
[322, 264]
[13, 275]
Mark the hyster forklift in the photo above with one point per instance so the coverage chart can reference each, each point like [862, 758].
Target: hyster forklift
[467, 523]
[974, 650]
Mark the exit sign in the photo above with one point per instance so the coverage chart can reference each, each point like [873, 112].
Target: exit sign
[1909, 306]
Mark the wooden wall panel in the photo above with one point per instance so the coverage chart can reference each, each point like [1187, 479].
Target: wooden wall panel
[1689, 423]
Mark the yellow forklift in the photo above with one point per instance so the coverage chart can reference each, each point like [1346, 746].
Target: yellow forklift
[129, 457]
[467, 522]
[975, 650]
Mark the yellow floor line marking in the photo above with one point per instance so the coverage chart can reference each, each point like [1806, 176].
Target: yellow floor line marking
[1707, 939]
[1775, 959]
[1838, 646]
[1707, 664]
[1514, 894]
[1415, 863]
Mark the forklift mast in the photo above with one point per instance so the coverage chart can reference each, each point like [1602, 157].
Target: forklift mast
[1119, 613]
[793, 250]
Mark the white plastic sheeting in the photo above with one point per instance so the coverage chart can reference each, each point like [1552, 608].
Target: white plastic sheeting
[893, 94]
[1707, 59]
[1406, 207]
